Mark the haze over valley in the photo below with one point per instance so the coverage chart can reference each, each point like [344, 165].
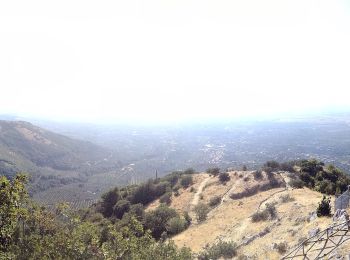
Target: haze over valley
[174, 130]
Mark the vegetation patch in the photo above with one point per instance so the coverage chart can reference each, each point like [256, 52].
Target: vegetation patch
[201, 211]
[214, 201]
[223, 250]
[268, 213]
[324, 207]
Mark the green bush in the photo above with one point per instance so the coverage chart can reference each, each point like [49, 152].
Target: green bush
[324, 207]
[157, 220]
[188, 218]
[257, 175]
[260, 216]
[296, 183]
[225, 250]
[176, 225]
[214, 171]
[186, 181]
[282, 247]
[109, 199]
[224, 177]
[201, 211]
[120, 208]
[165, 198]
[286, 198]
[28, 231]
[268, 213]
[214, 201]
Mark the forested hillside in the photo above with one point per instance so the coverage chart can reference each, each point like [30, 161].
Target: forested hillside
[51, 159]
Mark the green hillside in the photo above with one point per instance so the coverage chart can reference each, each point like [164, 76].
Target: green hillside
[51, 159]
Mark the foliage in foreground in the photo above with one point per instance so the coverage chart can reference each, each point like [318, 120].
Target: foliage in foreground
[31, 232]
[225, 250]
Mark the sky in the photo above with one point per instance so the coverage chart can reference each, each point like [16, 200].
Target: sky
[167, 60]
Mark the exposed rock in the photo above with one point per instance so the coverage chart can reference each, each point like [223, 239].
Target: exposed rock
[313, 232]
[340, 215]
[312, 216]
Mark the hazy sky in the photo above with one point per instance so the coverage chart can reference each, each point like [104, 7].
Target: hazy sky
[172, 59]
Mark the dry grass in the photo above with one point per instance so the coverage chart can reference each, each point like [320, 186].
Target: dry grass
[231, 220]
[182, 202]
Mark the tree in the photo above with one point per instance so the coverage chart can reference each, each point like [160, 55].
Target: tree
[121, 207]
[28, 231]
[13, 197]
[157, 220]
[324, 207]
[186, 180]
[176, 225]
[201, 211]
[109, 199]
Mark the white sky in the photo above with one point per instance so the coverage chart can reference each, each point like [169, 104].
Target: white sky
[172, 59]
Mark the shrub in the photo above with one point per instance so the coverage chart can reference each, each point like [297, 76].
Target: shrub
[268, 170]
[177, 187]
[324, 207]
[186, 181]
[296, 183]
[214, 171]
[201, 211]
[188, 218]
[172, 178]
[176, 225]
[258, 175]
[109, 199]
[225, 250]
[192, 189]
[120, 208]
[224, 177]
[286, 198]
[271, 209]
[138, 211]
[147, 192]
[165, 198]
[272, 164]
[156, 220]
[268, 212]
[246, 179]
[260, 216]
[189, 171]
[282, 247]
[244, 168]
[214, 201]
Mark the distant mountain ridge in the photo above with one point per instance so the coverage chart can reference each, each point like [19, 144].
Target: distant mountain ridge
[42, 153]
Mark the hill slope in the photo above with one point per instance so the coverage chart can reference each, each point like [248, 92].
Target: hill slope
[50, 158]
[231, 219]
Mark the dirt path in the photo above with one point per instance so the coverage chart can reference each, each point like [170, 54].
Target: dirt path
[286, 179]
[198, 193]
